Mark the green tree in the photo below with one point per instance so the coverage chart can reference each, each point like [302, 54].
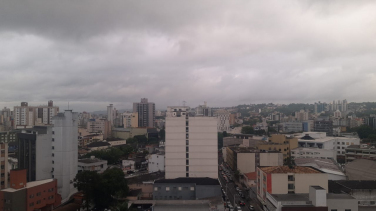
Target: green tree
[372, 137]
[87, 182]
[102, 190]
[247, 130]
[141, 139]
[364, 131]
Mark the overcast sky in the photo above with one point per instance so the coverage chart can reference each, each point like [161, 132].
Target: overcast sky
[94, 52]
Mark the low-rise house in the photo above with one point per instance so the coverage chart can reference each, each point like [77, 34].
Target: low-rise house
[128, 165]
[92, 164]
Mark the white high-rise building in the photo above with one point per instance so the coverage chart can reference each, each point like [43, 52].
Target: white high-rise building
[65, 151]
[191, 144]
[26, 116]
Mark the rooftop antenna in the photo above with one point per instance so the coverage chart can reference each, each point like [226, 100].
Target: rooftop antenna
[184, 102]
[68, 105]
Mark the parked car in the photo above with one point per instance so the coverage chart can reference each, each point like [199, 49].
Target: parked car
[251, 207]
[238, 208]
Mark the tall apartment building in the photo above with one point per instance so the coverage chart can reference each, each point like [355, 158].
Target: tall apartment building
[26, 116]
[284, 180]
[191, 144]
[5, 138]
[146, 113]
[34, 152]
[223, 120]
[65, 151]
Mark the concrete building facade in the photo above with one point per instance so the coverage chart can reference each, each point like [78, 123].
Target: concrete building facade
[156, 163]
[65, 151]
[248, 159]
[284, 180]
[92, 164]
[223, 123]
[313, 153]
[191, 144]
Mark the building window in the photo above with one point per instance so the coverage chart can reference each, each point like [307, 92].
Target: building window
[186, 174]
[186, 142]
[179, 188]
[347, 209]
[192, 188]
[53, 147]
[187, 162]
[187, 168]
[167, 188]
[53, 132]
[53, 155]
[187, 155]
[187, 149]
[39, 193]
[291, 186]
[291, 177]
[53, 139]
[155, 188]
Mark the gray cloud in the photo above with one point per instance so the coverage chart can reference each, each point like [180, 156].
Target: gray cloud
[92, 53]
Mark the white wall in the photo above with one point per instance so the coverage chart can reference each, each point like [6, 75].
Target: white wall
[43, 155]
[203, 146]
[66, 151]
[156, 163]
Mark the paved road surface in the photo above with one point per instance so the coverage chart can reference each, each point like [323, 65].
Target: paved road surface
[233, 195]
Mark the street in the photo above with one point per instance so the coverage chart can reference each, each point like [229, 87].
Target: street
[233, 196]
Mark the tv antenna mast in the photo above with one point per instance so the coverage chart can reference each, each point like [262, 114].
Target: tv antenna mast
[184, 102]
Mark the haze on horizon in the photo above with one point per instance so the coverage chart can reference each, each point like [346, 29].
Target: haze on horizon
[91, 53]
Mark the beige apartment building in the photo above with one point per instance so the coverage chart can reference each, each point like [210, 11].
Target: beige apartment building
[284, 180]
[191, 144]
[130, 119]
[280, 143]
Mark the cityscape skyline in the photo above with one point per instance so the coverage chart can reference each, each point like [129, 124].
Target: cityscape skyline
[198, 51]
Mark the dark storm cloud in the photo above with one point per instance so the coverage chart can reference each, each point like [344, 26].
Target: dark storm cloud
[92, 53]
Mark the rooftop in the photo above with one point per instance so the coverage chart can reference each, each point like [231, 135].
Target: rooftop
[338, 196]
[196, 180]
[326, 165]
[251, 175]
[98, 144]
[286, 169]
[29, 185]
[250, 150]
[91, 160]
[291, 197]
[340, 186]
